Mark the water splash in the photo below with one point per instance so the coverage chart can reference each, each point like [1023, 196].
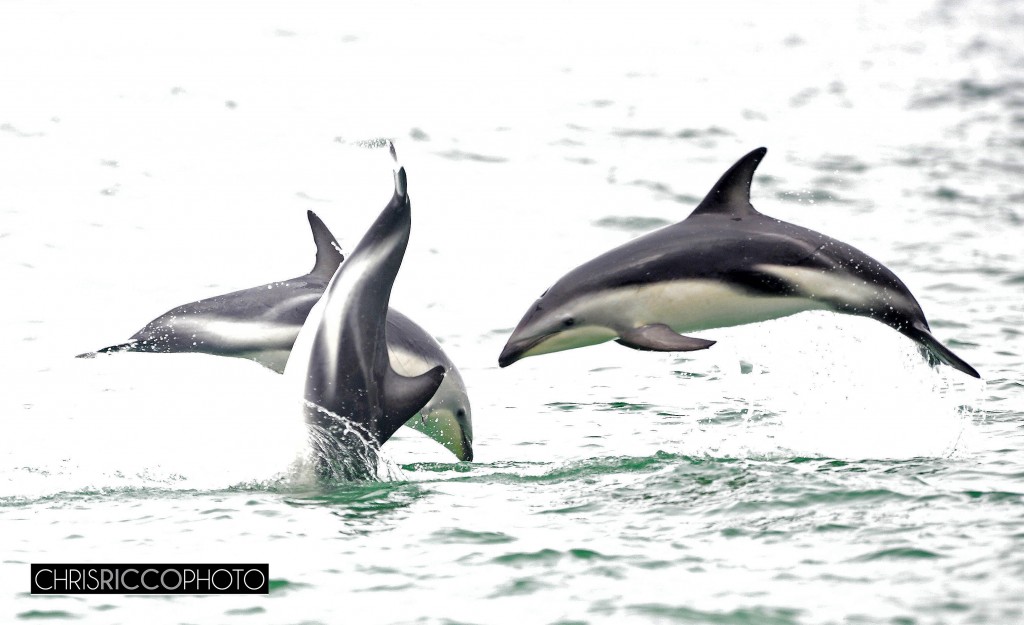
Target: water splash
[168, 422]
[876, 398]
[345, 450]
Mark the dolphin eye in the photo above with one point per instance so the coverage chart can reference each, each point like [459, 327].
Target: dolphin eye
[461, 413]
[568, 322]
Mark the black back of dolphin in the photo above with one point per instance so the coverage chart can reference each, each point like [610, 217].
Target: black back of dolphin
[349, 380]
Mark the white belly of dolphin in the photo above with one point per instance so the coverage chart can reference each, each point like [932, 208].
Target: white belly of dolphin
[694, 305]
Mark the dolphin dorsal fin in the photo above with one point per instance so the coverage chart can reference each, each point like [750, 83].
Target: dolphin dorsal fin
[731, 194]
[328, 252]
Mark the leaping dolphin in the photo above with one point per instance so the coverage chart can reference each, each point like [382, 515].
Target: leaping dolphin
[259, 323]
[262, 322]
[726, 264]
[353, 396]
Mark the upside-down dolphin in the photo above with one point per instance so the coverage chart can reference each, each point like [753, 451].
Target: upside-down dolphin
[726, 264]
[262, 322]
[353, 396]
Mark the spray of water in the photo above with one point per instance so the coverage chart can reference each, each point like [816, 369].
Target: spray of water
[166, 422]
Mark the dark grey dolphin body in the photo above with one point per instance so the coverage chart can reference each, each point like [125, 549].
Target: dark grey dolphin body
[261, 323]
[724, 265]
[354, 399]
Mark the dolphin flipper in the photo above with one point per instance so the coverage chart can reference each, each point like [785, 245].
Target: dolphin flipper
[405, 396]
[658, 337]
[921, 334]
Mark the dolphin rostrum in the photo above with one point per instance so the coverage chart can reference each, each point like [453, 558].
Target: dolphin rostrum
[261, 323]
[354, 398]
[726, 264]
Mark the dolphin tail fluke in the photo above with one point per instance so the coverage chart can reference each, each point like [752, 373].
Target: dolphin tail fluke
[122, 347]
[940, 352]
[405, 396]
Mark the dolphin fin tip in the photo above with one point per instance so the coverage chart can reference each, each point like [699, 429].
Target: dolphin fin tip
[960, 365]
[401, 182]
[129, 346]
[939, 352]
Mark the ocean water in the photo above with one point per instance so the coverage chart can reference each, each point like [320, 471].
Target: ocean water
[809, 470]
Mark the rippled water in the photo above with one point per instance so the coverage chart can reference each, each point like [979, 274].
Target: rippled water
[808, 470]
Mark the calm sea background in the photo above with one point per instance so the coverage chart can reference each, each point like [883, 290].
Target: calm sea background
[808, 470]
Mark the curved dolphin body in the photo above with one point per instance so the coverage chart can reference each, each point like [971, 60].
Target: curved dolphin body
[261, 324]
[724, 265]
[354, 399]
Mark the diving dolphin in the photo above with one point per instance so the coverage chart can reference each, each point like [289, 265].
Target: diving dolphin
[262, 322]
[724, 265]
[354, 398]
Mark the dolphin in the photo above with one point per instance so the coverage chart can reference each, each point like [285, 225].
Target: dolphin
[259, 323]
[262, 322]
[355, 400]
[726, 264]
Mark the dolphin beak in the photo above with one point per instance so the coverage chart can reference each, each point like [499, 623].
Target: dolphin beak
[467, 449]
[516, 350]
[453, 432]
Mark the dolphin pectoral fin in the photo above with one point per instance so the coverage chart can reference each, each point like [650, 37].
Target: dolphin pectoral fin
[943, 354]
[658, 337]
[405, 396]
